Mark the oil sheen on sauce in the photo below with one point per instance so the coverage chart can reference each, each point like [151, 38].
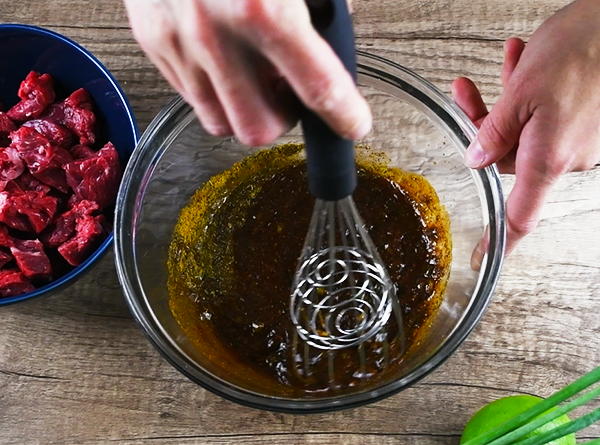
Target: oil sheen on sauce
[235, 249]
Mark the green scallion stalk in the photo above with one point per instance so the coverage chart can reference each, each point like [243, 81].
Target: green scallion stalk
[544, 419]
[570, 427]
[546, 404]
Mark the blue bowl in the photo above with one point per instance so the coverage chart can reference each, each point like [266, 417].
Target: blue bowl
[26, 48]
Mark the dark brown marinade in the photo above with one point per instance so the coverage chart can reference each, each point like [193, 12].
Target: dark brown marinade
[235, 250]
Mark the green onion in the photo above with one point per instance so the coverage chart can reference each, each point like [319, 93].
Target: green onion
[562, 430]
[524, 418]
[542, 420]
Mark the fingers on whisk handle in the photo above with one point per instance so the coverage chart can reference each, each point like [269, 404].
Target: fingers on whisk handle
[329, 157]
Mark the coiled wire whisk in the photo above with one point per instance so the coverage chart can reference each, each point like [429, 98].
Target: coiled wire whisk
[342, 295]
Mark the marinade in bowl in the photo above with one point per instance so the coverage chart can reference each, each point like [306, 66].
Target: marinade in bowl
[234, 253]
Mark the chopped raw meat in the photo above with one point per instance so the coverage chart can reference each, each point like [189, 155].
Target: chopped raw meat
[106, 225]
[6, 124]
[97, 177]
[10, 214]
[57, 134]
[55, 113]
[5, 239]
[46, 146]
[31, 258]
[26, 182]
[79, 116]
[29, 212]
[89, 232]
[73, 201]
[13, 282]
[63, 227]
[60, 233]
[36, 93]
[81, 152]
[6, 127]
[5, 257]
[11, 166]
[27, 139]
[12, 188]
[29, 255]
[43, 159]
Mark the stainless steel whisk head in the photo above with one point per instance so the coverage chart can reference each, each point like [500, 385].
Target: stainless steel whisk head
[342, 294]
[342, 297]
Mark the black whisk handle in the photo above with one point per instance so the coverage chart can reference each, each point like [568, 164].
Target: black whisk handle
[329, 157]
[333, 22]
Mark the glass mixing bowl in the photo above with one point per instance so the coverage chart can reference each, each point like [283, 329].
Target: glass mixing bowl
[415, 125]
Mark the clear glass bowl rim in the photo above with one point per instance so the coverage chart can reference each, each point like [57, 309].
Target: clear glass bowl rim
[145, 158]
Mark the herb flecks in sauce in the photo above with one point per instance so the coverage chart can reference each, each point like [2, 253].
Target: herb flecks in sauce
[235, 249]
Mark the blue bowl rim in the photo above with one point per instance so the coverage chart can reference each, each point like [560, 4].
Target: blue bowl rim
[79, 271]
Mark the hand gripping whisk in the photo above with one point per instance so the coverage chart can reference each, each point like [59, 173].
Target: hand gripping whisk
[342, 296]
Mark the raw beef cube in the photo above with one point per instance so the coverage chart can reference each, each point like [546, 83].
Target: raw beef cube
[84, 208]
[64, 225]
[57, 134]
[81, 152]
[11, 166]
[36, 93]
[12, 188]
[10, 215]
[55, 113]
[5, 257]
[27, 139]
[30, 212]
[61, 231]
[31, 258]
[43, 159]
[13, 282]
[106, 225]
[5, 239]
[6, 127]
[79, 116]
[26, 182]
[73, 201]
[89, 233]
[38, 86]
[97, 177]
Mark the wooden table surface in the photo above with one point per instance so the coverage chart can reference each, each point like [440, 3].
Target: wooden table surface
[77, 369]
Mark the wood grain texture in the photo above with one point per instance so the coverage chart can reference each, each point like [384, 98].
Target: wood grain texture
[76, 368]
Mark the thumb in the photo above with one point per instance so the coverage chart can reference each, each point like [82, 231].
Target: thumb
[499, 132]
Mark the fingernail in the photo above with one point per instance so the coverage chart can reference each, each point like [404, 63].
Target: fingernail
[219, 130]
[475, 155]
[364, 129]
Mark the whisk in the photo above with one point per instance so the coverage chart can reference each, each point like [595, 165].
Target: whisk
[342, 295]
